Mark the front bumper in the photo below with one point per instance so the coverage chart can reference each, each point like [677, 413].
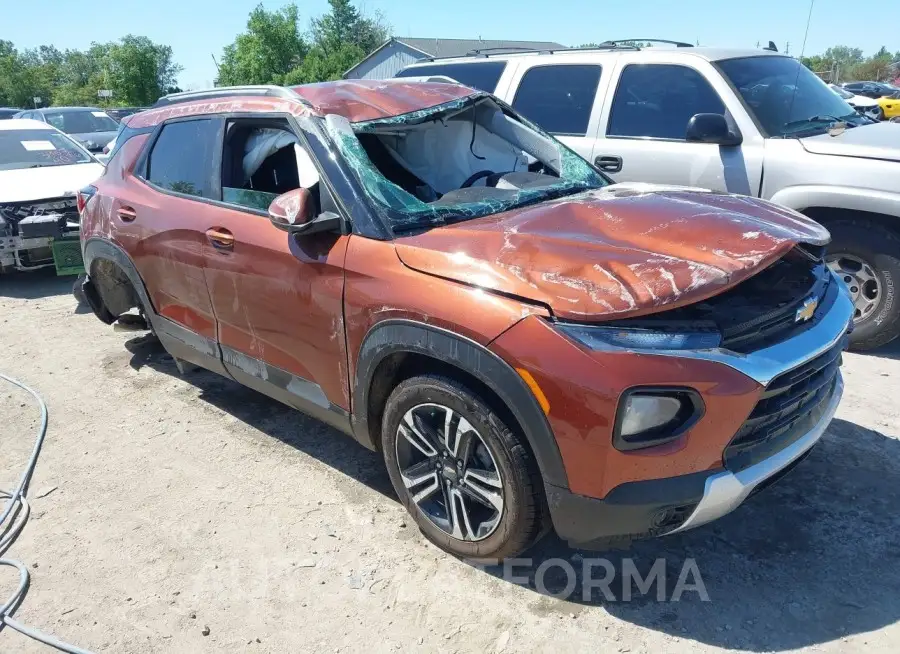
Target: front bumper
[667, 506]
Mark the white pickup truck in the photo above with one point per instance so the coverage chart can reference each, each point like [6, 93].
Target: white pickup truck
[752, 122]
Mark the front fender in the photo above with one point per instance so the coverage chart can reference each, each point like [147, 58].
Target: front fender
[839, 197]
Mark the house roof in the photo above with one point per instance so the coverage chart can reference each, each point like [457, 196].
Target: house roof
[456, 47]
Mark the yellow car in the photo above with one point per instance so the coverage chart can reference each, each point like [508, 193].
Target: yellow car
[890, 106]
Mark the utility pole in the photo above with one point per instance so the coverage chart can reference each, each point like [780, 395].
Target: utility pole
[787, 48]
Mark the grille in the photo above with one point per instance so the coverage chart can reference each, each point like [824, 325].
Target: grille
[758, 312]
[789, 407]
[778, 320]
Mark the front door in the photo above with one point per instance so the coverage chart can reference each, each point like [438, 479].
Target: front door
[277, 298]
[645, 124]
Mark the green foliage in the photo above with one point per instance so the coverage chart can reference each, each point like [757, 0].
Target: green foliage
[849, 64]
[273, 51]
[271, 47]
[135, 69]
[139, 71]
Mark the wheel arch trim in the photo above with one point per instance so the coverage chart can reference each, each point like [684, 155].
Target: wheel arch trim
[398, 336]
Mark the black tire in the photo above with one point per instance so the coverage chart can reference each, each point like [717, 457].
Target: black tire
[524, 506]
[877, 113]
[880, 248]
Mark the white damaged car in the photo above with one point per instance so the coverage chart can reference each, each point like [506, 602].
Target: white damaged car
[41, 170]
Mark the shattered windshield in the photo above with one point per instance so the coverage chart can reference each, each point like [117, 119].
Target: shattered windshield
[463, 159]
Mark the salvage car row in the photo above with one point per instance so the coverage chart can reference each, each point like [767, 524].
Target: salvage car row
[450, 274]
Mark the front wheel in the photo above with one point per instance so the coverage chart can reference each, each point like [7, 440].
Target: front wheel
[866, 257]
[877, 113]
[468, 481]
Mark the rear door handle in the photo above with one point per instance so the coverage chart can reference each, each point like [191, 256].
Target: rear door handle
[220, 238]
[609, 164]
[126, 214]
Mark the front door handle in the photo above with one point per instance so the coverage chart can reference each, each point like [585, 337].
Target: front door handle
[126, 214]
[220, 238]
[609, 164]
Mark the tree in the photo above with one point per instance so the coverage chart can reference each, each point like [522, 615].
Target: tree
[319, 67]
[344, 26]
[139, 71]
[13, 83]
[271, 47]
[272, 50]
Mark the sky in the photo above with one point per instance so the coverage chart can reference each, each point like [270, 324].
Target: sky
[199, 29]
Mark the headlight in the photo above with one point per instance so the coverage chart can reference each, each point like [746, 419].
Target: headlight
[629, 338]
[648, 417]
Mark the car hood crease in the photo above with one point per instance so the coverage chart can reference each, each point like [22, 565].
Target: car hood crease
[878, 141]
[622, 251]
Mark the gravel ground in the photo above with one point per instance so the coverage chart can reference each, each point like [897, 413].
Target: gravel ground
[189, 514]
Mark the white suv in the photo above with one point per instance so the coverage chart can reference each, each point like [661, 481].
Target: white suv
[752, 122]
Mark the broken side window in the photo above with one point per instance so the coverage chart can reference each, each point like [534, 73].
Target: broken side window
[462, 159]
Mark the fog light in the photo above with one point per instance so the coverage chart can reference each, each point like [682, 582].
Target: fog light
[651, 417]
[643, 412]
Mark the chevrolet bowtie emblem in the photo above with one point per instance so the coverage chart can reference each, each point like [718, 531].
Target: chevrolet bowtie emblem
[807, 310]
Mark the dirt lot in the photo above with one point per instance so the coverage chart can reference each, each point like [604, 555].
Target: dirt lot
[177, 504]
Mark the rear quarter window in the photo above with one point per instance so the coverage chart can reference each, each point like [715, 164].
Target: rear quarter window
[124, 134]
[481, 75]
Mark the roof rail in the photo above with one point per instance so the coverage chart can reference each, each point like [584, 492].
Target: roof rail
[496, 52]
[678, 44]
[266, 90]
[501, 50]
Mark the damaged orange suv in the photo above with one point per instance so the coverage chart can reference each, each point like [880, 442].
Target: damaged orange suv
[427, 271]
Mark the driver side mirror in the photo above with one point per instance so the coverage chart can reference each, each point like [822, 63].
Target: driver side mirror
[295, 213]
[711, 128]
[293, 210]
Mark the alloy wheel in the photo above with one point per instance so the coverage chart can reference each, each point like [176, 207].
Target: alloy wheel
[449, 472]
[861, 280]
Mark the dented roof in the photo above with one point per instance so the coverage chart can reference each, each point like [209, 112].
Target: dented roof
[355, 100]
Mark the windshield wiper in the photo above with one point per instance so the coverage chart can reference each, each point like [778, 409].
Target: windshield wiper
[823, 118]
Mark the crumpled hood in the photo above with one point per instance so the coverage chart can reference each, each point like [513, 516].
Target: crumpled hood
[624, 250]
[878, 141]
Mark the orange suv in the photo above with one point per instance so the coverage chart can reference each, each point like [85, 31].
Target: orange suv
[427, 271]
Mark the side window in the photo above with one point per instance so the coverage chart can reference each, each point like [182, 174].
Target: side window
[559, 98]
[182, 157]
[261, 161]
[658, 100]
[481, 75]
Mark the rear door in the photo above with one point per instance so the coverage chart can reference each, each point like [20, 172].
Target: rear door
[562, 97]
[161, 223]
[645, 120]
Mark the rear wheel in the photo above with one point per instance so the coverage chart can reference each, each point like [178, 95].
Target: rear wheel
[866, 257]
[467, 480]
